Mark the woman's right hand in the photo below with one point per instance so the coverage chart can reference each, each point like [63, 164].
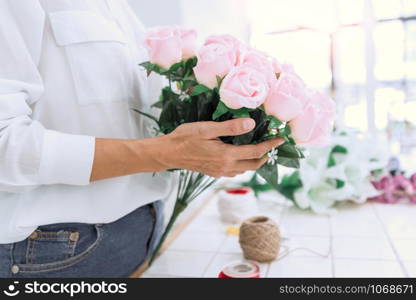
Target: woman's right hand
[197, 147]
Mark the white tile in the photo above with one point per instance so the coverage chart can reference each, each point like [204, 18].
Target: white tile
[410, 268]
[398, 219]
[207, 223]
[306, 246]
[362, 248]
[211, 209]
[367, 268]
[221, 260]
[271, 209]
[401, 226]
[357, 228]
[358, 220]
[198, 241]
[181, 264]
[301, 267]
[231, 245]
[406, 248]
[296, 222]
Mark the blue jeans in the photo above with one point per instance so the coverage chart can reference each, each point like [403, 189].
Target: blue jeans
[85, 250]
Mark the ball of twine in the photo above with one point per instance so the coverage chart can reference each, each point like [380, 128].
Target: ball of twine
[235, 205]
[260, 239]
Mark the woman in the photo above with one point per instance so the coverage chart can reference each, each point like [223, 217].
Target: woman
[78, 197]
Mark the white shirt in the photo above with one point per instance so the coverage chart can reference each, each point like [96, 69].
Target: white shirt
[68, 74]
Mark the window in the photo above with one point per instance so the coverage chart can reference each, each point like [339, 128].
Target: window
[363, 51]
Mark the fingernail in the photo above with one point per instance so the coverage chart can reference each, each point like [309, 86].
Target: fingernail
[248, 124]
[281, 142]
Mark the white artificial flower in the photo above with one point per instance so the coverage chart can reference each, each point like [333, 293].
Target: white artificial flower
[272, 154]
[348, 180]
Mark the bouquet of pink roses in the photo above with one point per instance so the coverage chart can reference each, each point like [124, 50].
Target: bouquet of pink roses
[226, 79]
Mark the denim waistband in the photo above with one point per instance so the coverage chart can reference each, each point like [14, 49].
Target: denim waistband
[86, 250]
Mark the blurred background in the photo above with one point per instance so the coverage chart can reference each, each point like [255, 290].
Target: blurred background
[361, 51]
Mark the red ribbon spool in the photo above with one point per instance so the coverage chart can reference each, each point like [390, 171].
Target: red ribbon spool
[240, 270]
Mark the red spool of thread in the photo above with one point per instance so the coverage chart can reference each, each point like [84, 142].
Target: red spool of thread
[240, 270]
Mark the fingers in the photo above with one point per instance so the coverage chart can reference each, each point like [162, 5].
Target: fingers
[244, 152]
[251, 164]
[227, 128]
[245, 165]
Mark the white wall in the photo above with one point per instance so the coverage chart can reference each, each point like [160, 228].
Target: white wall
[158, 12]
[206, 16]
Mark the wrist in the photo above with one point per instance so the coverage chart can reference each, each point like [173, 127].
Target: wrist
[153, 153]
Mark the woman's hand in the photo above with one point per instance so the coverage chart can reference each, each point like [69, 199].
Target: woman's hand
[196, 147]
[192, 146]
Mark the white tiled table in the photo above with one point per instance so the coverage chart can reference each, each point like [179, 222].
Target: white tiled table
[370, 240]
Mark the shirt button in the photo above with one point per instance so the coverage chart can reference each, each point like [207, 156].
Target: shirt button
[15, 269]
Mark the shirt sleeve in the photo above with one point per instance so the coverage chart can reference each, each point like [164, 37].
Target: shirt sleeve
[30, 154]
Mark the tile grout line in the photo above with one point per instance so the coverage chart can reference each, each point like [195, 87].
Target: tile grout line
[398, 259]
[216, 253]
[279, 223]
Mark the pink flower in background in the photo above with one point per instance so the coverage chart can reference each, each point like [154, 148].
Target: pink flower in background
[395, 188]
[403, 183]
[314, 125]
[413, 180]
[188, 42]
[216, 57]
[258, 60]
[288, 95]
[244, 86]
[164, 45]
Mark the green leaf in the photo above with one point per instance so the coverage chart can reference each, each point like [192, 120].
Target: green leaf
[290, 184]
[158, 104]
[243, 139]
[336, 149]
[340, 183]
[190, 64]
[288, 162]
[292, 180]
[274, 122]
[220, 110]
[289, 150]
[339, 149]
[270, 174]
[175, 67]
[199, 89]
[240, 113]
[152, 68]
[219, 81]
[257, 186]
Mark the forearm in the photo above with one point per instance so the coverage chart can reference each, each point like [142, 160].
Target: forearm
[119, 157]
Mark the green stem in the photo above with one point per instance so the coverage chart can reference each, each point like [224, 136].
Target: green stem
[179, 208]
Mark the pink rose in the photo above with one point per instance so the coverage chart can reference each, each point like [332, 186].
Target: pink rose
[287, 96]
[244, 86]
[188, 40]
[259, 61]
[314, 125]
[216, 57]
[169, 45]
[277, 68]
[164, 45]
